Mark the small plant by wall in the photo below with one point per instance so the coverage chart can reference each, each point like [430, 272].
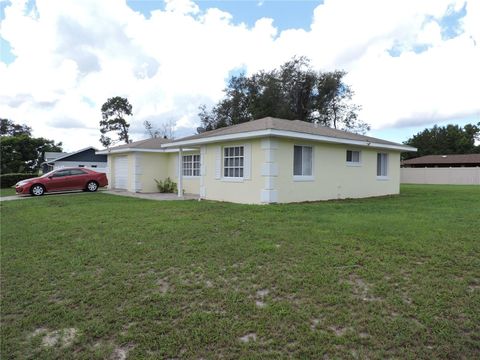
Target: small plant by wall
[166, 186]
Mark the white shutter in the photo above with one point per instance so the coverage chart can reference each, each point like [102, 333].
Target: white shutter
[218, 162]
[247, 162]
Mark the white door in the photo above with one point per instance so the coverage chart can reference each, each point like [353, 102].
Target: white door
[120, 166]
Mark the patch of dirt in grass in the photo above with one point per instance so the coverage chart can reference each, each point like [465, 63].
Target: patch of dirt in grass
[363, 335]
[163, 286]
[340, 331]
[260, 297]
[121, 353]
[475, 286]
[361, 289]
[248, 337]
[314, 323]
[63, 337]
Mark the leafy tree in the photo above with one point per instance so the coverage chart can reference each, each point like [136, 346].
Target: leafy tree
[114, 112]
[19, 152]
[445, 140]
[294, 91]
[8, 127]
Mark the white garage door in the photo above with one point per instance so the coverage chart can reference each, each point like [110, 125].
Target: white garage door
[121, 172]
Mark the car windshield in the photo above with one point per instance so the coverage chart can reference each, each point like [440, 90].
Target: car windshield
[48, 174]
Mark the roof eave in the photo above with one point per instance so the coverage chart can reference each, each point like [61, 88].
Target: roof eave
[285, 134]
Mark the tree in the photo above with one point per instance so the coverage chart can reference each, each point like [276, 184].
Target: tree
[19, 151]
[450, 139]
[165, 130]
[113, 119]
[153, 133]
[8, 127]
[294, 91]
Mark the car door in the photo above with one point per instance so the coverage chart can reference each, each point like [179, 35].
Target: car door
[58, 181]
[77, 179]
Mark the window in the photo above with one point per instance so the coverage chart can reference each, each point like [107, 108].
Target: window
[233, 159]
[353, 157]
[382, 164]
[61, 173]
[81, 165]
[302, 160]
[77, 172]
[94, 166]
[191, 165]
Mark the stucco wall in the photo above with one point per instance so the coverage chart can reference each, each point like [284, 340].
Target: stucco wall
[272, 179]
[246, 191]
[191, 184]
[152, 166]
[333, 178]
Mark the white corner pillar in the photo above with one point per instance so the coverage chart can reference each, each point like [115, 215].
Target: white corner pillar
[269, 193]
[180, 173]
[203, 151]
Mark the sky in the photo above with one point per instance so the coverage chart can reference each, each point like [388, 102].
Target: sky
[412, 64]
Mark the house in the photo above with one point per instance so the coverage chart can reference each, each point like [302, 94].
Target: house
[433, 161]
[49, 156]
[86, 157]
[263, 161]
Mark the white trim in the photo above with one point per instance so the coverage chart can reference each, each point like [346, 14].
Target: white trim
[203, 152]
[383, 178]
[287, 134]
[303, 178]
[232, 179]
[269, 171]
[180, 173]
[269, 196]
[127, 150]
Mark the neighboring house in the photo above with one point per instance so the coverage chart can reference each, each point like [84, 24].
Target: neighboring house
[461, 169]
[50, 156]
[82, 158]
[431, 161]
[263, 161]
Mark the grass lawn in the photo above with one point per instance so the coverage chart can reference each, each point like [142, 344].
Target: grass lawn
[97, 276]
[7, 192]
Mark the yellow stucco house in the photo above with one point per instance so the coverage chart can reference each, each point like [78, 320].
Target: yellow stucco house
[263, 161]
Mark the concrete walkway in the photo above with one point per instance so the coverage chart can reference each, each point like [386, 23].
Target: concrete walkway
[153, 196]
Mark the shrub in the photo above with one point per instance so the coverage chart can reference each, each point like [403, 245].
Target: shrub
[8, 180]
[166, 186]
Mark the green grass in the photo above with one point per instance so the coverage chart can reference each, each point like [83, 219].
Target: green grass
[393, 277]
[7, 192]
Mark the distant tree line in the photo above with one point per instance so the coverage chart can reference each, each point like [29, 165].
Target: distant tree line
[445, 140]
[295, 91]
[19, 151]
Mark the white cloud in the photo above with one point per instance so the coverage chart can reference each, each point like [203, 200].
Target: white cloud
[72, 56]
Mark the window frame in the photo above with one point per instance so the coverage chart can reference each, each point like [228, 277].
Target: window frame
[384, 175]
[241, 168]
[353, 163]
[304, 177]
[192, 171]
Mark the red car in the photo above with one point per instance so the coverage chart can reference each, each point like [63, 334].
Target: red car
[61, 180]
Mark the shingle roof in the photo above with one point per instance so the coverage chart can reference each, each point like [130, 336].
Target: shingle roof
[285, 125]
[154, 144]
[445, 159]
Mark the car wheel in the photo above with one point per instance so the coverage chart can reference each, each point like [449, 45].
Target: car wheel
[92, 186]
[37, 190]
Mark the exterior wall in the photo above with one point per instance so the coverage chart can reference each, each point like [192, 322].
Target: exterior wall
[333, 178]
[455, 176]
[271, 176]
[191, 184]
[247, 191]
[153, 166]
[144, 168]
[99, 166]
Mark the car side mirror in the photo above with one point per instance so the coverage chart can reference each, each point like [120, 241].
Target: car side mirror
[50, 177]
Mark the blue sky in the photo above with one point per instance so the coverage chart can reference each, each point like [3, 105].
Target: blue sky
[411, 64]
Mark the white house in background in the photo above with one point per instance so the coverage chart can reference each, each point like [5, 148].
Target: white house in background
[262, 161]
[86, 157]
